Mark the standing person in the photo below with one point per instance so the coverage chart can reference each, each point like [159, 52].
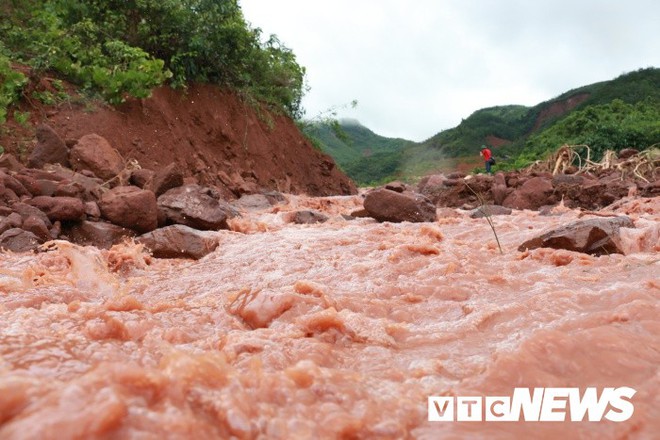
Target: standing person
[488, 157]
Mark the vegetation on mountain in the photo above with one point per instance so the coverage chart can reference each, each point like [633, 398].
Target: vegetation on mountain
[363, 155]
[120, 48]
[609, 115]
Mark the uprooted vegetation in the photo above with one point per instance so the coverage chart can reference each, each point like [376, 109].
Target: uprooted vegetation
[577, 159]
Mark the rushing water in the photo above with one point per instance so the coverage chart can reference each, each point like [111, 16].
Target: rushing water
[334, 330]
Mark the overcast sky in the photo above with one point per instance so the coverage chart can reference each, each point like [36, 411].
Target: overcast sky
[417, 67]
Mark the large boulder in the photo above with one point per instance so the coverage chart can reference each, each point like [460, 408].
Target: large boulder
[50, 148]
[103, 235]
[390, 206]
[179, 241]
[598, 236]
[533, 194]
[59, 208]
[130, 207]
[94, 153]
[195, 206]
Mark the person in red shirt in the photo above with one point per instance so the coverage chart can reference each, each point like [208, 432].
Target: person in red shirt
[488, 157]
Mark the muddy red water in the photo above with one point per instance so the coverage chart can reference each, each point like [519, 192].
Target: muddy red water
[334, 330]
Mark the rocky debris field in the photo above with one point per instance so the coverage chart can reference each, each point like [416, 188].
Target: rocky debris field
[90, 195]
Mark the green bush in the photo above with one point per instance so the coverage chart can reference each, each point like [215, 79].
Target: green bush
[122, 48]
[11, 85]
[612, 126]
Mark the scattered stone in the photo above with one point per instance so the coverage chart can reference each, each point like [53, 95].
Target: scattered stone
[142, 178]
[533, 194]
[167, 178]
[390, 206]
[195, 206]
[25, 211]
[9, 162]
[13, 184]
[59, 208]
[307, 217]
[103, 235]
[252, 202]
[396, 186]
[37, 226]
[130, 207]
[179, 241]
[598, 236]
[50, 148]
[488, 210]
[13, 220]
[94, 153]
[18, 240]
[360, 213]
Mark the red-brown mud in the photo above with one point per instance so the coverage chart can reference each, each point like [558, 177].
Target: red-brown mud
[334, 330]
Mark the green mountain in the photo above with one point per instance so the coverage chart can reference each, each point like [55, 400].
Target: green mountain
[511, 126]
[363, 155]
[616, 114]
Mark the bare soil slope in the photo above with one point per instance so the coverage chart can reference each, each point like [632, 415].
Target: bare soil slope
[212, 134]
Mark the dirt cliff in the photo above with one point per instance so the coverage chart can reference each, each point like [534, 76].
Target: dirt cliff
[214, 136]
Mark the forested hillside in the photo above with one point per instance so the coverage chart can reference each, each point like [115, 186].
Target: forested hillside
[609, 115]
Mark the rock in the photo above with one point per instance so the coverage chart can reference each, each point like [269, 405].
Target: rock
[130, 207]
[489, 210]
[596, 236]
[396, 186]
[25, 211]
[94, 153]
[567, 180]
[179, 241]
[103, 235]
[7, 196]
[307, 217]
[9, 162]
[275, 197]
[59, 208]
[195, 206]
[50, 148]
[13, 220]
[252, 202]
[385, 205]
[360, 213]
[166, 179]
[92, 210]
[18, 240]
[37, 226]
[13, 184]
[533, 194]
[142, 178]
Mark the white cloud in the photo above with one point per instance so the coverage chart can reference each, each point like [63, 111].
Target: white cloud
[418, 67]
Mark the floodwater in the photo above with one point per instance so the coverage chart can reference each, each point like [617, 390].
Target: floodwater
[334, 330]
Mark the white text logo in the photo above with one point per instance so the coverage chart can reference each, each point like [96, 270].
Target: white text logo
[541, 405]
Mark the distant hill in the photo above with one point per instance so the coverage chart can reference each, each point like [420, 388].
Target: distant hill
[623, 112]
[362, 154]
